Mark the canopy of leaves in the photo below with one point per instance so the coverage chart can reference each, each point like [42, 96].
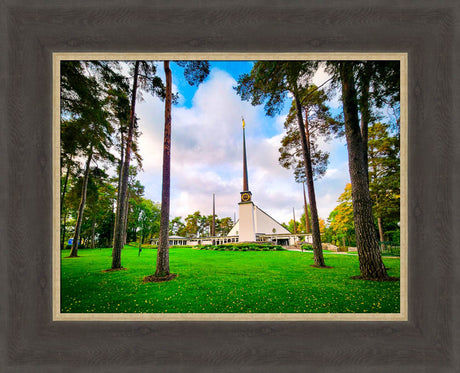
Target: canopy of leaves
[269, 82]
[341, 224]
[195, 72]
[384, 174]
[320, 125]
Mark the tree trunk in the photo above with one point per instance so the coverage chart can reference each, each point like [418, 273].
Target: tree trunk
[63, 230]
[122, 159]
[307, 217]
[76, 236]
[162, 269]
[379, 223]
[64, 189]
[293, 214]
[93, 233]
[365, 116]
[112, 223]
[317, 249]
[122, 200]
[125, 222]
[64, 218]
[370, 259]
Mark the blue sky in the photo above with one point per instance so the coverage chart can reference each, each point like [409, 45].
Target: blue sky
[206, 154]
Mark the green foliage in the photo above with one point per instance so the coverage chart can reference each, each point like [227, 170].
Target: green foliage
[341, 229]
[269, 82]
[384, 175]
[222, 281]
[197, 225]
[319, 125]
[244, 246]
[195, 72]
[307, 247]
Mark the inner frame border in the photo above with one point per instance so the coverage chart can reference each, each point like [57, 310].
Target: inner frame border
[56, 256]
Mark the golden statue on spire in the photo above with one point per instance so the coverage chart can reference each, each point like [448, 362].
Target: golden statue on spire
[244, 124]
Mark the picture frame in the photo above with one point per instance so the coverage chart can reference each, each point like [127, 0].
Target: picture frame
[32, 341]
[59, 315]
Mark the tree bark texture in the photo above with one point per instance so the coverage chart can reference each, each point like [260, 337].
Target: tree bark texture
[365, 117]
[63, 230]
[64, 189]
[93, 233]
[317, 249]
[213, 226]
[162, 269]
[81, 208]
[381, 236]
[293, 214]
[64, 217]
[125, 216]
[370, 259]
[307, 217]
[122, 157]
[119, 235]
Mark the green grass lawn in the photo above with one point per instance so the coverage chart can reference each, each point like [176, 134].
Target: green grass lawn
[221, 281]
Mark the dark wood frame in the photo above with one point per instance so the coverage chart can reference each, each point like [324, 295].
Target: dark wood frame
[31, 31]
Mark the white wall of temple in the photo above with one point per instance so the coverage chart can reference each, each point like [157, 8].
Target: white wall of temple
[235, 229]
[246, 230]
[266, 224]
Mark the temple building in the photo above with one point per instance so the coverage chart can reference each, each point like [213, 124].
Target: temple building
[253, 225]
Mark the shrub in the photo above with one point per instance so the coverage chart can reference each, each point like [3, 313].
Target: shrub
[148, 246]
[244, 247]
[307, 246]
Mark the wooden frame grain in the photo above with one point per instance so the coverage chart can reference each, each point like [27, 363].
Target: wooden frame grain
[32, 31]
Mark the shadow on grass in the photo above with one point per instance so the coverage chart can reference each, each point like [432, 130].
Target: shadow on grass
[153, 278]
[114, 269]
[317, 266]
[389, 278]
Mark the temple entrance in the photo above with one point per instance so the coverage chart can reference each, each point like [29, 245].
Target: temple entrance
[282, 241]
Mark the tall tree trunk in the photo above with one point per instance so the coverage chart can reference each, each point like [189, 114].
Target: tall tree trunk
[64, 217]
[122, 200]
[317, 249]
[365, 115]
[125, 221]
[93, 233]
[112, 223]
[307, 216]
[64, 189]
[293, 214]
[122, 159]
[81, 208]
[162, 269]
[370, 259]
[379, 222]
[380, 225]
[213, 223]
[64, 229]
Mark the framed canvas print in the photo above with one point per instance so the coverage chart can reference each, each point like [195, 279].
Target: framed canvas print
[243, 284]
[189, 151]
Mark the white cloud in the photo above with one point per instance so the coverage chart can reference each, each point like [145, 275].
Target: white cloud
[320, 77]
[206, 156]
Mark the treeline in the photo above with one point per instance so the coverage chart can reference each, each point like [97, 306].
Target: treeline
[196, 225]
[98, 221]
